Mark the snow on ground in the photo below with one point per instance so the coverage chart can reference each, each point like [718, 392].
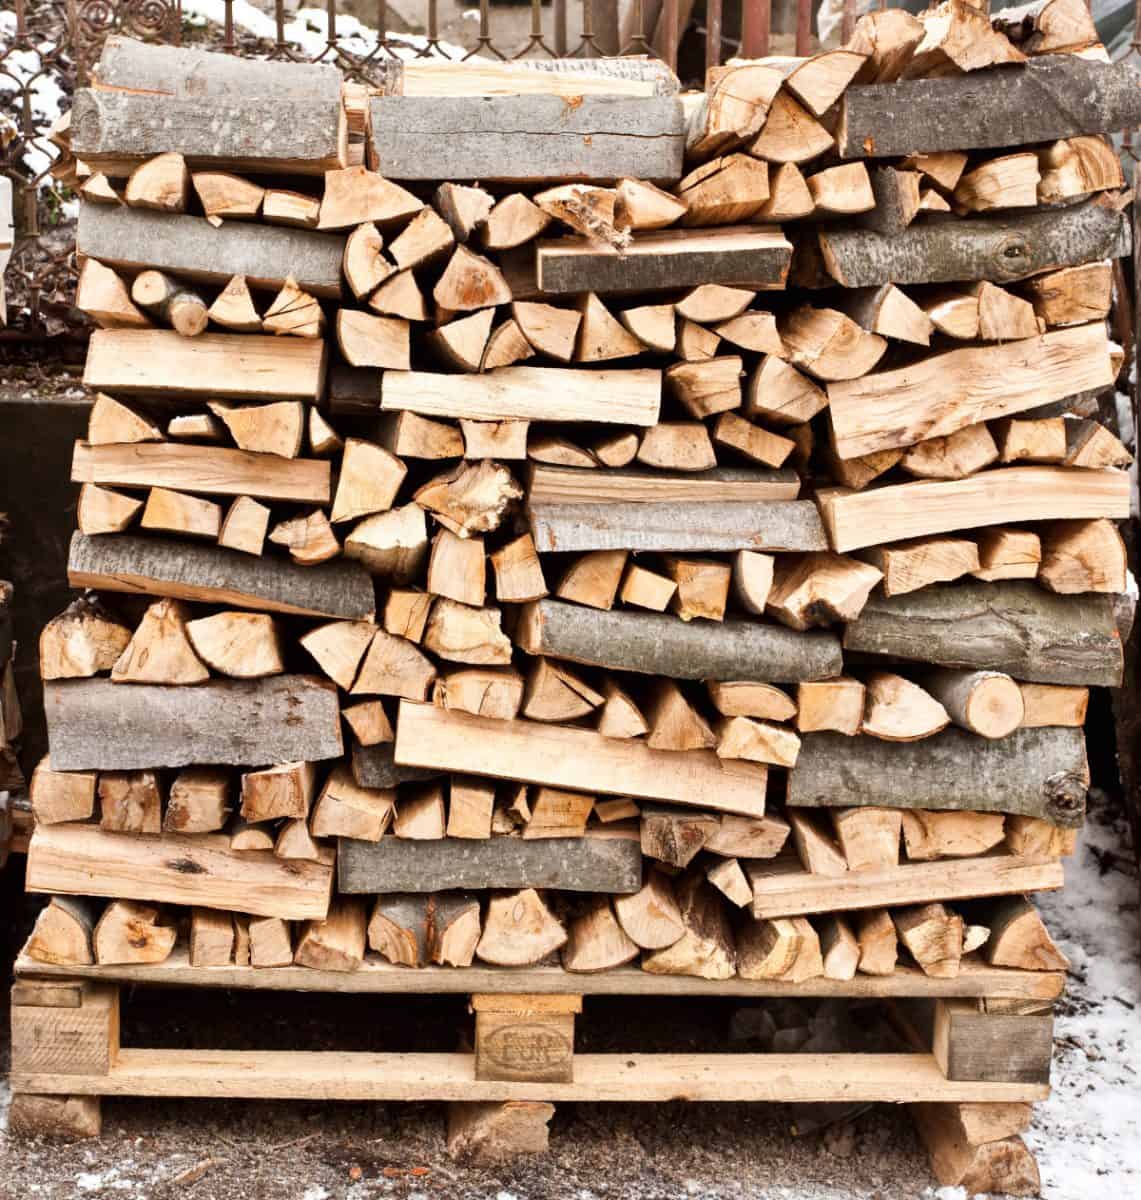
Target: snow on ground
[1089, 1132]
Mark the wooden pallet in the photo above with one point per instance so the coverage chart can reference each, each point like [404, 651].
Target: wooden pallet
[988, 1050]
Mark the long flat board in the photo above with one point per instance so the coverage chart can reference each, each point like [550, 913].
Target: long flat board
[1005, 496]
[781, 888]
[943, 393]
[631, 397]
[208, 470]
[97, 725]
[754, 255]
[360, 1075]
[135, 239]
[376, 975]
[630, 485]
[194, 869]
[611, 865]
[565, 757]
[528, 139]
[663, 644]
[792, 525]
[214, 575]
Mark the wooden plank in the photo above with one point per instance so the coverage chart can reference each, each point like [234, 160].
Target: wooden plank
[1013, 626]
[349, 1075]
[566, 485]
[997, 247]
[677, 525]
[757, 256]
[585, 864]
[1050, 97]
[235, 366]
[1013, 1047]
[377, 976]
[212, 575]
[631, 397]
[68, 1041]
[554, 754]
[1006, 496]
[207, 470]
[782, 889]
[194, 869]
[135, 239]
[97, 725]
[661, 644]
[1034, 772]
[528, 139]
[115, 131]
[947, 392]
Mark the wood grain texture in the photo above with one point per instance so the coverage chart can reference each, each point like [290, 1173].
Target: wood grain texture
[134, 239]
[528, 139]
[1013, 626]
[661, 644]
[583, 864]
[1039, 773]
[677, 525]
[568, 485]
[94, 724]
[555, 754]
[185, 571]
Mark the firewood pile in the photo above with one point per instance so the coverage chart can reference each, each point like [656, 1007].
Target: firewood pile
[532, 516]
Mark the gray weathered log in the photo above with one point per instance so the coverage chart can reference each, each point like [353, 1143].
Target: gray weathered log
[586, 864]
[213, 575]
[97, 725]
[742, 525]
[134, 239]
[747, 255]
[353, 391]
[999, 248]
[376, 767]
[528, 139]
[660, 644]
[1034, 773]
[1054, 96]
[1015, 627]
[114, 131]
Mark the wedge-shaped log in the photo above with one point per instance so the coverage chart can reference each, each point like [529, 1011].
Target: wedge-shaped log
[680, 526]
[594, 863]
[997, 248]
[528, 139]
[660, 644]
[554, 754]
[94, 724]
[198, 869]
[1034, 772]
[1051, 97]
[758, 256]
[265, 255]
[1013, 626]
[1005, 496]
[783, 889]
[208, 575]
[211, 470]
[119, 130]
[951, 391]
[164, 364]
[529, 394]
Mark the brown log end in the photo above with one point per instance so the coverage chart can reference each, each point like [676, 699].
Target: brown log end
[494, 1131]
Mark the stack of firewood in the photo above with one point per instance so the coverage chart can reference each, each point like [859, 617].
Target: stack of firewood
[535, 513]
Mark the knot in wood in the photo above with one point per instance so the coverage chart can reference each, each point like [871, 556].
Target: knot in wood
[1065, 799]
[1012, 258]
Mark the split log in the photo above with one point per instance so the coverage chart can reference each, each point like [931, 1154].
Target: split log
[931, 835]
[244, 526]
[392, 545]
[878, 942]
[283, 207]
[891, 313]
[592, 579]
[677, 446]
[199, 801]
[130, 932]
[791, 134]
[724, 191]
[817, 850]
[368, 721]
[161, 182]
[420, 812]
[1013, 627]
[1083, 556]
[355, 196]
[1004, 1165]
[471, 802]
[728, 878]
[519, 930]
[82, 641]
[640, 205]
[909, 566]
[1033, 772]
[336, 943]
[674, 724]
[843, 190]
[998, 248]
[650, 917]
[756, 741]
[187, 247]
[934, 938]
[674, 836]
[1039, 439]
[953, 456]
[212, 938]
[758, 257]
[98, 725]
[1050, 704]
[130, 802]
[1072, 295]
[173, 512]
[868, 837]
[495, 692]
[832, 704]
[705, 387]
[271, 942]
[400, 296]
[552, 485]
[309, 538]
[415, 930]
[819, 589]
[62, 933]
[104, 297]
[393, 666]
[159, 650]
[595, 940]
[552, 693]
[195, 869]
[706, 948]
[453, 741]
[619, 716]
[732, 108]
[646, 589]
[653, 325]
[345, 809]
[778, 392]
[528, 139]
[226, 196]
[739, 698]
[457, 633]
[839, 948]
[61, 796]
[1089, 444]
[514, 221]
[785, 949]
[752, 330]
[338, 648]
[735, 433]
[284, 791]
[241, 645]
[1019, 938]
[1009, 181]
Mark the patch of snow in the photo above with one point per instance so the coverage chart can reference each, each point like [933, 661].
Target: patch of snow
[25, 69]
[316, 1192]
[5, 1103]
